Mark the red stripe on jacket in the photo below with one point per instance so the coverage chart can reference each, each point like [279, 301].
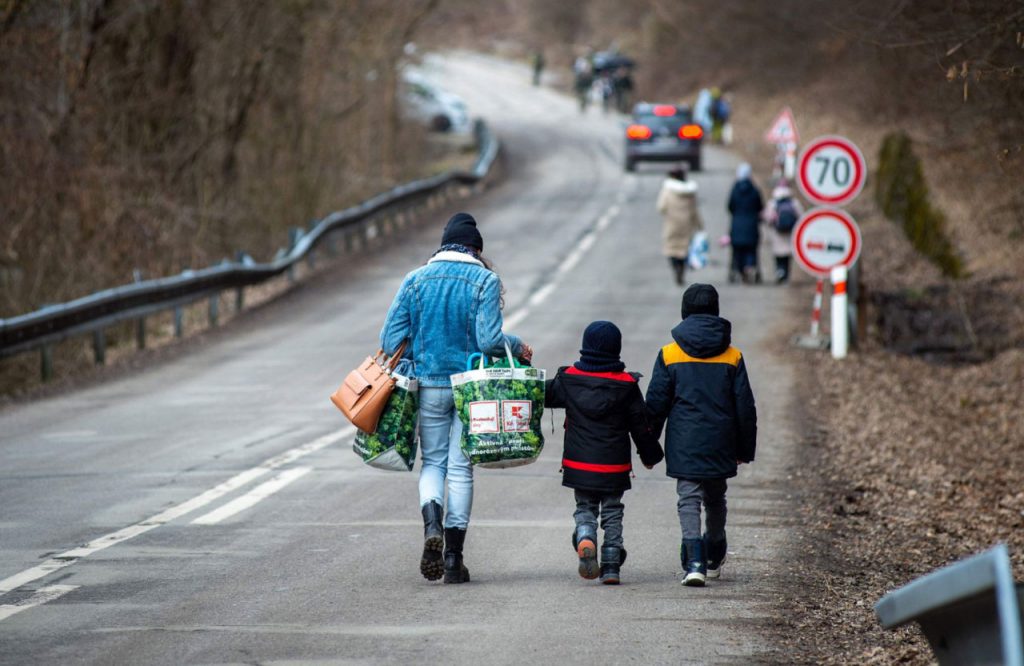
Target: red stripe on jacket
[594, 467]
[618, 376]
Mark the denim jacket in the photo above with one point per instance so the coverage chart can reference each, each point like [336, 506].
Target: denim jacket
[448, 309]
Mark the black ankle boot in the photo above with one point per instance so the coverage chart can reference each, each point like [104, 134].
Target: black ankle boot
[454, 570]
[612, 559]
[432, 561]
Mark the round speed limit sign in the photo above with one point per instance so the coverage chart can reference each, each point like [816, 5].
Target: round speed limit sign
[831, 171]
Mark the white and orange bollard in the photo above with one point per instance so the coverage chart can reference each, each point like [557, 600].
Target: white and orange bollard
[840, 324]
[816, 310]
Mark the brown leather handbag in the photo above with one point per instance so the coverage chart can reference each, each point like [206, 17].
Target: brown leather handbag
[365, 391]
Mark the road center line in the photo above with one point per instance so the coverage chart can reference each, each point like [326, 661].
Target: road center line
[42, 595]
[571, 260]
[69, 557]
[260, 492]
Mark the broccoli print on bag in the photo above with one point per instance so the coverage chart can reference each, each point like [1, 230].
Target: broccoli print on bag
[393, 445]
[500, 409]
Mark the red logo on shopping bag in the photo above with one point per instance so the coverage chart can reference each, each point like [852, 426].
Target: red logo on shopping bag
[516, 415]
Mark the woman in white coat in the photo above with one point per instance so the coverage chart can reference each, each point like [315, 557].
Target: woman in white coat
[677, 203]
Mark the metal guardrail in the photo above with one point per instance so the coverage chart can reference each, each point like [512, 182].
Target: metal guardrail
[970, 611]
[51, 324]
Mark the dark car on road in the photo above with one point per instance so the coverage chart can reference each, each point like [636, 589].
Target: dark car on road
[663, 133]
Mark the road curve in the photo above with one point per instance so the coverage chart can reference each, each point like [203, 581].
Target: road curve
[209, 509]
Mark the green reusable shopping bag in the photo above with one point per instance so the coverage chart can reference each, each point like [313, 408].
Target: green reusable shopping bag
[500, 404]
[393, 446]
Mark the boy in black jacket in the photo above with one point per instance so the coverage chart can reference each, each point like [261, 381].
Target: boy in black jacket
[700, 388]
[603, 408]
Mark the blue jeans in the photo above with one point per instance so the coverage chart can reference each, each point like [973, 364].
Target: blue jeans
[443, 460]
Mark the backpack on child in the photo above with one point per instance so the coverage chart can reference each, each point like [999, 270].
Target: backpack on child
[786, 216]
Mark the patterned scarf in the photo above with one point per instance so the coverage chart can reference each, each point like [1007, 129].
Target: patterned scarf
[457, 247]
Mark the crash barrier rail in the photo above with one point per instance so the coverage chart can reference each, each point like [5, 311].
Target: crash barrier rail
[361, 223]
[970, 612]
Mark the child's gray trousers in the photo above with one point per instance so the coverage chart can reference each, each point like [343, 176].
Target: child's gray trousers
[710, 492]
[609, 507]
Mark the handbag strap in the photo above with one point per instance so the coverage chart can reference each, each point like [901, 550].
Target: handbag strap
[393, 360]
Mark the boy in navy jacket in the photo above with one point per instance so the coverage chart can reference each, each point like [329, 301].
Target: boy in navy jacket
[700, 389]
[603, 409]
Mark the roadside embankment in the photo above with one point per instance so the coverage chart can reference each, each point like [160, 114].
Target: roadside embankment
[911, 447]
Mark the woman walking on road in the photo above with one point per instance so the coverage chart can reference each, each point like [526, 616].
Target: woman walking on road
[677, 203]
[447, 309]
[745, 205]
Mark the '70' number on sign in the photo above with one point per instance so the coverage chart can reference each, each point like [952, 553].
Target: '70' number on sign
[834, 171]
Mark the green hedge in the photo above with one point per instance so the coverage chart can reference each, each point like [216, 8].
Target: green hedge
[903, 196]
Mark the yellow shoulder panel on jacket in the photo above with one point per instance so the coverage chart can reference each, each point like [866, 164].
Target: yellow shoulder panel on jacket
[673, 353]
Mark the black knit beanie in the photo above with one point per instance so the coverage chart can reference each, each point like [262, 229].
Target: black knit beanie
[461, 229]
[700, 299]
[602, 344]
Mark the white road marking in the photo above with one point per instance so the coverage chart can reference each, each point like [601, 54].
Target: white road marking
[42, 595]
[586, 243]
[68, 558]
[516, 318]
[260, 492]
[541, 294]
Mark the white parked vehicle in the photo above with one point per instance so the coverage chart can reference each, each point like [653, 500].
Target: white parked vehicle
[438, 109]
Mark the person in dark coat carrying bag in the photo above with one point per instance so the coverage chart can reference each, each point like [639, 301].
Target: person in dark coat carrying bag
[700, 394]
[604, 407]
[745, 206]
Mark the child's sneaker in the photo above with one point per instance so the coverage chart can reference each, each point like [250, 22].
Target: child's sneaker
[715, 552]
[586, 549]
[691, 555]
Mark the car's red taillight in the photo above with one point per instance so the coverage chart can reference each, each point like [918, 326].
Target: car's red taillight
[638, 132]
[691, 132]
[665, 110]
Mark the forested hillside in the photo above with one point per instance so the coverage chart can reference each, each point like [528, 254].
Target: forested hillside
[163, 134]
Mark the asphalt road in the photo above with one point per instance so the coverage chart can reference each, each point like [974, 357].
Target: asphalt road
[209, 509]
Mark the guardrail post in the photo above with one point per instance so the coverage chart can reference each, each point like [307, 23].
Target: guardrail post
[311, 255]
[242, 258]
[99, 346]
[332, 245]
[293, 238]
[46, 362]
[214, 310]
[179, 321]
[140, 332]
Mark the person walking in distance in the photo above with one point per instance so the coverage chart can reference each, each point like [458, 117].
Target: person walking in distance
[745, 206]
[781, 215]
[700, 394]
[603, 409]
[680, 219]
[446, 310]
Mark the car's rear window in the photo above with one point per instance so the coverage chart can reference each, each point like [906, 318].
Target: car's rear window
[670, 122]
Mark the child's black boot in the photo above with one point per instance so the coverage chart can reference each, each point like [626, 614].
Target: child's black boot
[432, 560]
[454, 570]
[586, 550]
[692, 559]
[715, 552]
[611, 559]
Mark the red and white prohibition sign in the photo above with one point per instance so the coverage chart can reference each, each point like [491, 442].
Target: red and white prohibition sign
[831, 171]
[825, 238]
